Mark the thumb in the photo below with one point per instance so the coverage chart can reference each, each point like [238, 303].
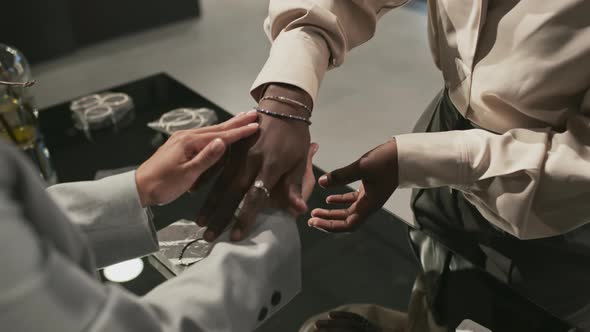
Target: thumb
[309, 178]
[300, 191]
[341, 176]
[207, 157]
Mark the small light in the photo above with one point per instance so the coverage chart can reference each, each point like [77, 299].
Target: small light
[124, 271]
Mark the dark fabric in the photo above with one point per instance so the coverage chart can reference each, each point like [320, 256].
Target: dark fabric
[552, 272]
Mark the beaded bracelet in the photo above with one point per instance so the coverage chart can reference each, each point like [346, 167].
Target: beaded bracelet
[286, 100]
[281, 115]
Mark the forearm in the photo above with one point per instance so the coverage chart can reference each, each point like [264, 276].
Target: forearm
[311, 36]
[524, 181]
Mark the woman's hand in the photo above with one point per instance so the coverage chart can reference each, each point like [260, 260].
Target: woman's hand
[185, 156]
[378, 171]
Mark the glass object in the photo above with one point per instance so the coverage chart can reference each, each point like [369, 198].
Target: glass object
[14, 68]
[18, 113]
[100, 111]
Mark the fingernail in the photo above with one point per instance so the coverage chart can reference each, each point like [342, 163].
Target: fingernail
[217, 145]
[316, 148]
[253, 125]
[240, 114]
[209, 236]
[251, 112]
[236, 234]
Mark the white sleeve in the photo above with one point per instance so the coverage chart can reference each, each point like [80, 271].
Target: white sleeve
[109, 212]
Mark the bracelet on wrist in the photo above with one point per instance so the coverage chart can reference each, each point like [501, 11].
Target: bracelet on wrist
[283, 116]
[288, 101]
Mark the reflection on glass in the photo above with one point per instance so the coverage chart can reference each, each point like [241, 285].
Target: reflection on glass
[18, 113]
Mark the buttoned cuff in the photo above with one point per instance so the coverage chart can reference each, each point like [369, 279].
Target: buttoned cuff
[429, 160]
[298, 58]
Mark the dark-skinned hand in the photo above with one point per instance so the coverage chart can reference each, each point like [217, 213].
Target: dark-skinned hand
[378, 171]
[276, 155]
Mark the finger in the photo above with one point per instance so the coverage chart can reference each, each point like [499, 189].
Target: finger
[240, 120]
[330, 225]
[341, 221]
[224, 213]
[208, 174]
[228, 202]
[330, 214]
[361, 210]
[233, 135]
[347, 198]
[313, 149]
[214, 197]
[297, 188]
[253, 203]
[308, 182]
[198, 141]
[206, 158]
[341, 176]
[212, 200]
[293, 187]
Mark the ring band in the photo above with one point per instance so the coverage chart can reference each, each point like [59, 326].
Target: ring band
[259, 184]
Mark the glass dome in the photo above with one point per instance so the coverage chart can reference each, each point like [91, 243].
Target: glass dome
[14, 67]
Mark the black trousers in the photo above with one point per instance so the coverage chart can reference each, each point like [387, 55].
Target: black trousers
[554, 272]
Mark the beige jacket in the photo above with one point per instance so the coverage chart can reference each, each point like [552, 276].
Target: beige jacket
[519, 69]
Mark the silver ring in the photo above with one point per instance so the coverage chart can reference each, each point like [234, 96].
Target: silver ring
[259, 184]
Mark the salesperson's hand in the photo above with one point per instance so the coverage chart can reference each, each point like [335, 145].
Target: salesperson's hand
[187, 154]
[378, 171]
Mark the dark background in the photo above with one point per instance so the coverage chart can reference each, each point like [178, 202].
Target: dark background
[45, 29]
